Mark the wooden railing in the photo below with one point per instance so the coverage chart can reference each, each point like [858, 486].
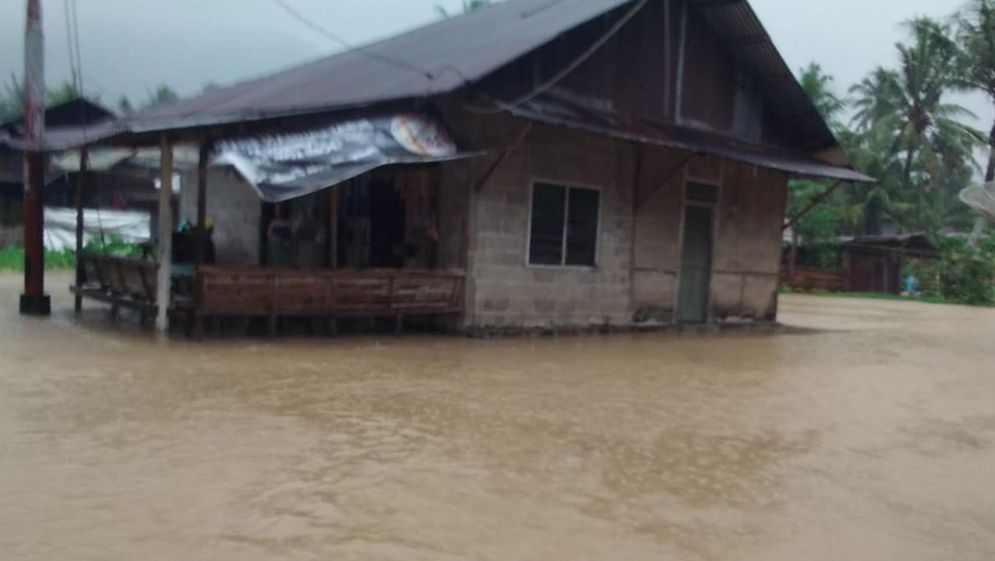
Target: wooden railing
[807, 278]
[275, 293]
[225, 291]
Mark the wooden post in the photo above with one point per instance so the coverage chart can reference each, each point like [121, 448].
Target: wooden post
[793, 255]
[34, 301]
[165, 236]
[84, 157]
[334, 196]
[201, 240]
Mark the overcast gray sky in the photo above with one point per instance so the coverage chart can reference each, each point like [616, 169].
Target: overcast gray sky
[130, 46]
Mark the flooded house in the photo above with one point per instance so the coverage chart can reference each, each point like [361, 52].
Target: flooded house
[531, 165]
[126, 189]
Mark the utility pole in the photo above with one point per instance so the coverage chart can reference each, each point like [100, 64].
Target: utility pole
[34, 301]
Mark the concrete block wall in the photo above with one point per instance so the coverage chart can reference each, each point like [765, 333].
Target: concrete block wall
[747, 256]
[636, 279]
[235, 208]
[657, 250]
[642, 205]
[504, 291]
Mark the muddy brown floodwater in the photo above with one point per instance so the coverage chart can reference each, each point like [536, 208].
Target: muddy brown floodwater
[866, 433]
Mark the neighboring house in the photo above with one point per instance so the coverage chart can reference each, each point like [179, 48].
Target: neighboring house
[121, 189]
[875, 263]
[620, 163]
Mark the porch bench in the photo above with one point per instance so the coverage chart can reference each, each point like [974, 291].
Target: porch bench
[121, 282]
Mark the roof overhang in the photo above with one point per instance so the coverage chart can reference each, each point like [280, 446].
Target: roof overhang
[555, 112]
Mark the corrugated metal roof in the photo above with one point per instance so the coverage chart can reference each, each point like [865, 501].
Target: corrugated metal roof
[450, 54]
[563, 113]
[74, 112]
[447, 55]
[59, 139]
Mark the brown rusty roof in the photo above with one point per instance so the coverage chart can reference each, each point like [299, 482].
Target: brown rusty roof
[459, 52]
[558, 111]
[435, 59]
[453, 53]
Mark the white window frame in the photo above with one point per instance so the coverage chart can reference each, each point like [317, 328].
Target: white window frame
[568, 185]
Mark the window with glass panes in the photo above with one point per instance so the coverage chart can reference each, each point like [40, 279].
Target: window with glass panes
[564, 226]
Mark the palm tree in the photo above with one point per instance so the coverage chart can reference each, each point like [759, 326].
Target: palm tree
[821, 224]
[467, 7]
[865, 209]
[908, 106]
[976, 37]
[12, 99]
[876, 97]
[818, 85]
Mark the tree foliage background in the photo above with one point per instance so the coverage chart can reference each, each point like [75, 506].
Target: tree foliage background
[900, 126]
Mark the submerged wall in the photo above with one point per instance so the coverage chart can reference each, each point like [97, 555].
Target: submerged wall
[484, 228]
[636, 280]
[747, 258]
[504, 290]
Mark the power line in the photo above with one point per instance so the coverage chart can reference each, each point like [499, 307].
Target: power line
[321, 30]
[76, 70]
[69, 41]
[79, 55]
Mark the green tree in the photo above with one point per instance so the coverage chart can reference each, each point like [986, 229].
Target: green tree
[11, 99]
[66, 91]
[819, 87]
[875, 98]
[162, 95]
[907, 109]
[820, 226]
[865, 209]
[125, 106]
[976, 38]
[466, 7]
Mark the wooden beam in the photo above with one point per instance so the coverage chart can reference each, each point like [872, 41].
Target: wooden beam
[84, 160]
[334, 200]
[200, 249]
[815, 202]
[640, 203]
[165, 235]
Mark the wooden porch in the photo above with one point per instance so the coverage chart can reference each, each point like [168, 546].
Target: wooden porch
[272, 293]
